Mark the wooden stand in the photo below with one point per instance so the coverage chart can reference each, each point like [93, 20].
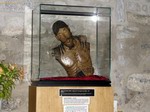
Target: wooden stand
[48, 99]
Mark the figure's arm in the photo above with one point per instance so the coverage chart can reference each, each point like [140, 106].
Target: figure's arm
[83, 40]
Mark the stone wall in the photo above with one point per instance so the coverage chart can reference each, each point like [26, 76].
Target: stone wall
[131, 52]
[130, 73]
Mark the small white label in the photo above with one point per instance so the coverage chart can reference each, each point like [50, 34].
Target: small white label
[76, 100]
[115, 105]
[76, 108]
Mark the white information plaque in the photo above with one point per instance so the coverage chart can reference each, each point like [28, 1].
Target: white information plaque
[75, 100]
[76, 108]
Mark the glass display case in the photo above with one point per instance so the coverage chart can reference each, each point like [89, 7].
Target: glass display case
[91, 23]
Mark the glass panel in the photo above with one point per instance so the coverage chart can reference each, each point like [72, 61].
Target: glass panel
[48, 64]
[35, 43]
[103, 46]
[92, 22]
[106, 12]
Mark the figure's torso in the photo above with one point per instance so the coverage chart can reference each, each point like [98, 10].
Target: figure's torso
[76, 59]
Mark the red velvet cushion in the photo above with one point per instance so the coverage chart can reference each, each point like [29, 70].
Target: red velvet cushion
[91, 77]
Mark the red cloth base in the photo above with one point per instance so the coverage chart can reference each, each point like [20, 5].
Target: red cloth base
[91, 77]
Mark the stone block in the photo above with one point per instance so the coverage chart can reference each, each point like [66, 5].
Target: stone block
[27, 21]
[136, 104]
[141, 8]
[124, 32]
[124, 35]
[2, 57]
[14, 26]
[139, 82]
[120, 11]
[60, 2]
[12, 6]
[144, 20]
[3, 46]
[133, 6]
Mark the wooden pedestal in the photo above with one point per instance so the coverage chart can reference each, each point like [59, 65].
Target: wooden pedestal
[48, 99]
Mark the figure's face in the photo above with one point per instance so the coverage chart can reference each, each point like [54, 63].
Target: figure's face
[65, 36]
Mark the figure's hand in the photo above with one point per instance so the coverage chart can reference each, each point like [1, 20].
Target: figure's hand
[83, 40]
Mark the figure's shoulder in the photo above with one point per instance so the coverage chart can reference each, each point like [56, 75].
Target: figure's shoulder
[56, 52]
[81, 37]
[82, 40]
[58, 47]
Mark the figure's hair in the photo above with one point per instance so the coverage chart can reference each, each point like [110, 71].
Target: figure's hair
[58, 24]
